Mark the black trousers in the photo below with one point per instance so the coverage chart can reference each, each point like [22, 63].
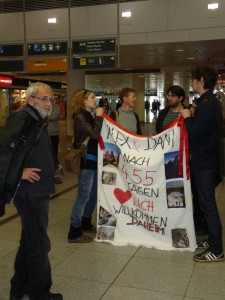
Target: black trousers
[205, 187]
[199, 219]
[32, 267]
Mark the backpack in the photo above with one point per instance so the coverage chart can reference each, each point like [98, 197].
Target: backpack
[12, 156]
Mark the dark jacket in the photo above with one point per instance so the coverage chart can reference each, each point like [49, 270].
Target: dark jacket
[17, 141]
[160, 119]
[86, 125]
[162, 114]
[204, 133]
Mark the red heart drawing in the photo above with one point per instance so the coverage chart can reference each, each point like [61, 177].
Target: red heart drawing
[122, 196]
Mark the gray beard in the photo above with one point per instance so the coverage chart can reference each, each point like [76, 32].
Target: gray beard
[42, 112]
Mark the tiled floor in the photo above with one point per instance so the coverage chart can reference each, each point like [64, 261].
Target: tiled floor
[102, 271]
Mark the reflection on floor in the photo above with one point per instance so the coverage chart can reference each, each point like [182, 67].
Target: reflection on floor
[102, 271]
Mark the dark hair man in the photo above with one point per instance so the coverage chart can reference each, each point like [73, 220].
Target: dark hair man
[204, 133]
[34, 184]
[175, 99]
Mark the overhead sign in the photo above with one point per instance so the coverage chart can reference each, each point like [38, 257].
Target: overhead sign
[11, 65]
[11, 50]
[151, 93]
[50, 64]
[90, 46]
[47, 48]
[94, 62]
[5, 81]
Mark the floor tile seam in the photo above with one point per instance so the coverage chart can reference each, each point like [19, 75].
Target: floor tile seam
[164, 261]
[79, 278]
[10, 252]
[53, 196]
[144, 289]
[189, 281]
[120, 272]
[107, 252]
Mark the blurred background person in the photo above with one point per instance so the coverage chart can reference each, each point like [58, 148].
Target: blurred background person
[53, 127]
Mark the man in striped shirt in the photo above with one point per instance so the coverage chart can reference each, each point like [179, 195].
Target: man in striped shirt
[175, 100]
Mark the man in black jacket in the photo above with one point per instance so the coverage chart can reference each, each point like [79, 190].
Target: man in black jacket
[204, 133]
[30, 192]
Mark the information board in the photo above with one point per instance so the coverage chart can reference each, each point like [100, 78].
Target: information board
[47, 48]
[11, 50]
[92, 46]
[94, 62]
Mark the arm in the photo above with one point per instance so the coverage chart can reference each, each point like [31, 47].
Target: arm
[87, 126]
[198, 126]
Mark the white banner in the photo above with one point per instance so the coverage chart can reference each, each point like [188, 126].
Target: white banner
[142, 200]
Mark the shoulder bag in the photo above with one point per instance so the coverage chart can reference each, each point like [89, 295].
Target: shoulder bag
[72, 159]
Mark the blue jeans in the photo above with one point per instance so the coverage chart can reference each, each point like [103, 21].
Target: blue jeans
[205, 187]
[86, 197]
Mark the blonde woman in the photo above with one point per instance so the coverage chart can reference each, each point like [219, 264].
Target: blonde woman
[86, 124]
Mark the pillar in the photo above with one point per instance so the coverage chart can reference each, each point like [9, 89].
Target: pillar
[139, 86]
[75, 82]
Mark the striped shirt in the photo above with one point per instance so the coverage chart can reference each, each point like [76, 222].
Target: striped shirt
[170, 117]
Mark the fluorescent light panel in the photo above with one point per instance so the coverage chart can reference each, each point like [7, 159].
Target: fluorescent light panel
[126, 14]
[51, 20]
[213, 6]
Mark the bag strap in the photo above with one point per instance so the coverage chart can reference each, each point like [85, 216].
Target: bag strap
[85, 142]
[117, 115]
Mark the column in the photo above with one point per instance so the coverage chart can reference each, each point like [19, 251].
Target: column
[139, 86]
[75, 82]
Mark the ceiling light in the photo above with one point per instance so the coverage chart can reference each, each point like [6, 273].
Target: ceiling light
[190, 58]
[126, 14]
[179, 50]
[213, 6]
[51, 20]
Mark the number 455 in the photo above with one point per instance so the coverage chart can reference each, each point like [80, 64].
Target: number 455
[138, 176]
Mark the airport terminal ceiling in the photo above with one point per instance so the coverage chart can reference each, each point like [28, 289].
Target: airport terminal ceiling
[172, 62]
[7, 6]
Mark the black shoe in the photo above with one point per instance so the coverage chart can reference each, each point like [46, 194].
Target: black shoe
[53, 296]
[86, 225]
[74, 232]
[203, 245]
[208, 257]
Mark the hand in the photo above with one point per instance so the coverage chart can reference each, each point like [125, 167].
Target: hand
[99, 111]
[31, 174]
[185, 113]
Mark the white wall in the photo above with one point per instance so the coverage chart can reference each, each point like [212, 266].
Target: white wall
[11, 28]
[153, 21]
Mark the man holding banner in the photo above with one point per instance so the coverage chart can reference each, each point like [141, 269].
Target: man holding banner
[204, 133]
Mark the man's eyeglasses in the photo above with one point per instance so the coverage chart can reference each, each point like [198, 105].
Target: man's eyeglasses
[43, 99]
